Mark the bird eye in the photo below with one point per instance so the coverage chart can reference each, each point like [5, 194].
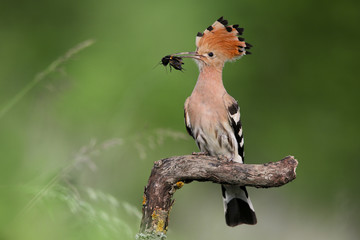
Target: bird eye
[211, 54]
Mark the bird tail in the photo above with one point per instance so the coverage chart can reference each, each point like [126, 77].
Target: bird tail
[238, 206]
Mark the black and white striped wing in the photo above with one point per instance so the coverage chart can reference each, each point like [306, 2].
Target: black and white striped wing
[235, 122]
[187, 119]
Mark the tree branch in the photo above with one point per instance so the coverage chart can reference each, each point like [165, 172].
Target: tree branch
[170, 174]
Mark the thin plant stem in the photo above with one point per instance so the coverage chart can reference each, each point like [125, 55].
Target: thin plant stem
[40, 76]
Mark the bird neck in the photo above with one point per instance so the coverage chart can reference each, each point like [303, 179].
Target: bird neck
[210, 82]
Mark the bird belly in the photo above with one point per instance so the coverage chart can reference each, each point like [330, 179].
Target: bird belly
[216, 140]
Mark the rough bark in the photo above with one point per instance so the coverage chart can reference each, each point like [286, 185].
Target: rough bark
[170, 174]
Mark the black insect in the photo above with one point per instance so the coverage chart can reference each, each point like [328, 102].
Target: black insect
[173, 61]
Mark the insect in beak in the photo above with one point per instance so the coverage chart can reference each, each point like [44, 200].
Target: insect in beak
[173, 61]
[176, 60]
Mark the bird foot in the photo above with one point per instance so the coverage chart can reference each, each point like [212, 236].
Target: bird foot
[200, 153]
[223, 157]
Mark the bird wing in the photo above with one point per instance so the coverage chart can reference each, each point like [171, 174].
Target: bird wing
[187, 118]
[233, 110]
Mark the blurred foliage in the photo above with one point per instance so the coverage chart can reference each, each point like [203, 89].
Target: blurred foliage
[77, 148]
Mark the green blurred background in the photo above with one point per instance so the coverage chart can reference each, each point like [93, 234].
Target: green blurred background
[78, 147]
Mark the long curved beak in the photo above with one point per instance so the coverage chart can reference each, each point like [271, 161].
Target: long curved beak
[193, 55]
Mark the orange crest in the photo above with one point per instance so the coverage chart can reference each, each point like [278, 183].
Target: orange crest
[224, 39]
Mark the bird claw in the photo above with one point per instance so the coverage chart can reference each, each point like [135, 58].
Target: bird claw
[223, 157]
[199, 153]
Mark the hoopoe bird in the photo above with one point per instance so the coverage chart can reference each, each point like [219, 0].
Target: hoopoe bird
[212, 116]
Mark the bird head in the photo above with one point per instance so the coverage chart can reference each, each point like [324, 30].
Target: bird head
[218, 44]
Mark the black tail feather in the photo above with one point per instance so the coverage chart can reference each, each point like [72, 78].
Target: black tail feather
[238, 206]
[238, 212]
